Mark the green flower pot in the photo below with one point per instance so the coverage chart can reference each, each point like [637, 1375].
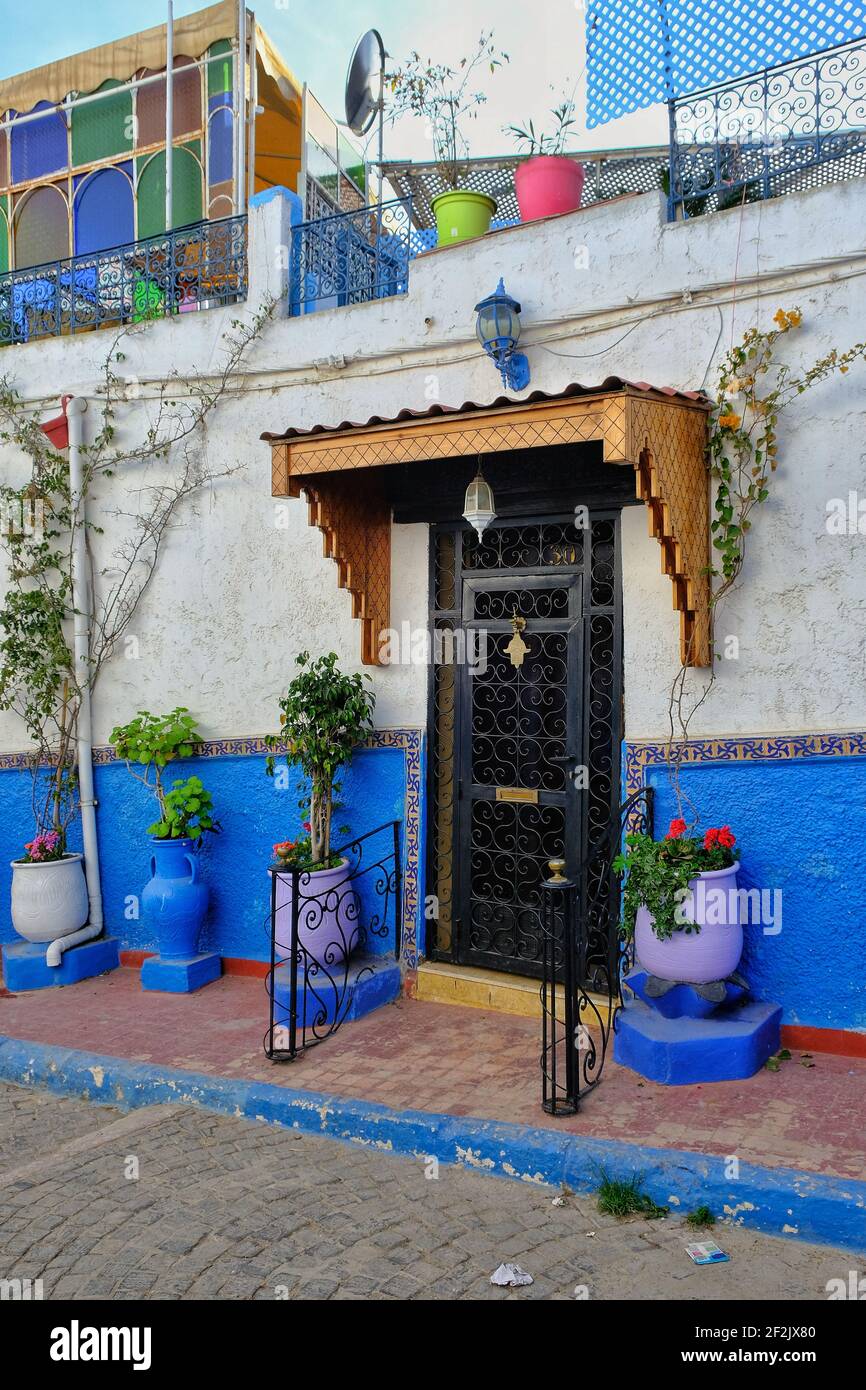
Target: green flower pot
[461, 214]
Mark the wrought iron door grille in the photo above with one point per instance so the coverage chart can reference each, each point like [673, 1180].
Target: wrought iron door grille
[516, 758]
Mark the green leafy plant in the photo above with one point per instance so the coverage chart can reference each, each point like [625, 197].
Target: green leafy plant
[617, 1197]
[443, 97]
[153, 741]
[545, 142]
[701, 1217]
[40, 681]
[659, 873]
[187, 812]
[324, 715]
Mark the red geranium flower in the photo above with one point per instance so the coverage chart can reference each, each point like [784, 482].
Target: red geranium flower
[678, 829]
[726, 838]
[711, 839]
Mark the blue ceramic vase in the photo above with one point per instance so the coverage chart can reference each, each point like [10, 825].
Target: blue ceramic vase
[174, 901]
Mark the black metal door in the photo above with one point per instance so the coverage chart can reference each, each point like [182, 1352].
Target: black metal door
[524, 763]
[518, 805]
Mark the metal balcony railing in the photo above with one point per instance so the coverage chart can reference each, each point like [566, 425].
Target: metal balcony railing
[195, 267]
[778, 131]
[352, 257]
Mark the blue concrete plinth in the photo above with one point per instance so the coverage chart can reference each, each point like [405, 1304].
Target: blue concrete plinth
[369, 982]
[683, 1001]
[24, 964]
[732, 1044]
[181, 976]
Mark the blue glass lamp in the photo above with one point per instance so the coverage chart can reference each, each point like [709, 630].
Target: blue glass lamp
[498, 330]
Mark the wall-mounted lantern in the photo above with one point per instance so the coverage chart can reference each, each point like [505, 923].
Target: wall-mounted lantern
[478, 508]
[498, 330]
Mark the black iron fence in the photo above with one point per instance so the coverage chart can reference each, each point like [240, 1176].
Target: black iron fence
[782, 130]
[352, 257]
[322, 925]
[584, 956]
[196, 267]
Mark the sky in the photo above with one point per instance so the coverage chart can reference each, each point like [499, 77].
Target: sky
[544, 39]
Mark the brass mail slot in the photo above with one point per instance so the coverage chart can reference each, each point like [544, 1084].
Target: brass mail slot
[517, 794]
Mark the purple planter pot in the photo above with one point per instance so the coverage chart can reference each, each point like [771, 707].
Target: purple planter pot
[329, 914]
[695, 958]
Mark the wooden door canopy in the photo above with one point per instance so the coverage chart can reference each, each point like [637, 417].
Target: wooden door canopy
[661, 434]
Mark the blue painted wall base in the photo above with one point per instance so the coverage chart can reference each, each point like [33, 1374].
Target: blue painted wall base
[371, 981]
[24, 964]
[181, 976]
[729, 1046]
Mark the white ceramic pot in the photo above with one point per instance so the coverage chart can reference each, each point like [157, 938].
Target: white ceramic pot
[49, 900]
[695, 958]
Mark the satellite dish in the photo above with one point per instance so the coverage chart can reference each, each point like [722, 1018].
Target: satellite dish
[364, 82]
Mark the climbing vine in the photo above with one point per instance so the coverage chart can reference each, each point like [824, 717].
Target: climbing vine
[38, 679]
[743, 455]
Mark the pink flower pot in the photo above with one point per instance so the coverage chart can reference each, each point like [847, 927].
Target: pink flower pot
[546, 185]
[695, 958]
[328, 914]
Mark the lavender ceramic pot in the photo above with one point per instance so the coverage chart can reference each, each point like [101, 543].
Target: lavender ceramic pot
[695, 958]
[328, 913]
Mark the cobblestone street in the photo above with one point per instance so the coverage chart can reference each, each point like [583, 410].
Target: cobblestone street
[176, 1203]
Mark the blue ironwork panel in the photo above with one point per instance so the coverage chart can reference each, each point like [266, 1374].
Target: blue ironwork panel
[351, 257]
[640, 52]
[780, 131]
[195, 267]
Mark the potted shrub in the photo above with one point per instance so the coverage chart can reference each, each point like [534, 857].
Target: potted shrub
[49, 892]
[443, 98]
[324, 715]
[548, 182]
[174, 900]
[681, 904]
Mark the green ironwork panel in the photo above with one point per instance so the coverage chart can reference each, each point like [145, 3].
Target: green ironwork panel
[219, 75]
[102, 128]
[186, 190]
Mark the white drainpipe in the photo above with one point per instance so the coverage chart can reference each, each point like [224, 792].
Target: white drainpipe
[81, 601]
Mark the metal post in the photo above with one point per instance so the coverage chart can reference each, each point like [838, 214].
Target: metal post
[293, 967]
[169, 117]
[398, 894]
[558, 959]
[254, 97]
[269, 1050]
[242, 104]
[673, 162]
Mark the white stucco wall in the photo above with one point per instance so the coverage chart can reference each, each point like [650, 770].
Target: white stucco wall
[612, 290]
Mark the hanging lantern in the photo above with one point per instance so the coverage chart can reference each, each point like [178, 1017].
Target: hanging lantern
[498, 330]
[478, 507]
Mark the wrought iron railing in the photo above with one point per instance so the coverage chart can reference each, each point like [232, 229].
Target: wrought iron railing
[584, 956]
[195, 267]
[782, 130]
[322, 929]
[352, 257]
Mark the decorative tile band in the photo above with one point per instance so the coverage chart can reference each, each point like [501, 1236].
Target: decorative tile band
[409, 741]
[758, 748]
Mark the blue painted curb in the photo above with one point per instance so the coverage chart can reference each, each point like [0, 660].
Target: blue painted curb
[777, 1201]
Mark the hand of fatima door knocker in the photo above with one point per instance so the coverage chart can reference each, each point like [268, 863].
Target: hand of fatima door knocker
[516, 650]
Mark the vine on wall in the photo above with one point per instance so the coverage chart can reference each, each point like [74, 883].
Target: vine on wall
[38, 679]
[743, 455]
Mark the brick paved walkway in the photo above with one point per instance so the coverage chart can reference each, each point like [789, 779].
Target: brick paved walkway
[228, 1209]
[462, 1061]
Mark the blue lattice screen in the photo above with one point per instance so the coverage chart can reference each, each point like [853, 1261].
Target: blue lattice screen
[640, 52]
